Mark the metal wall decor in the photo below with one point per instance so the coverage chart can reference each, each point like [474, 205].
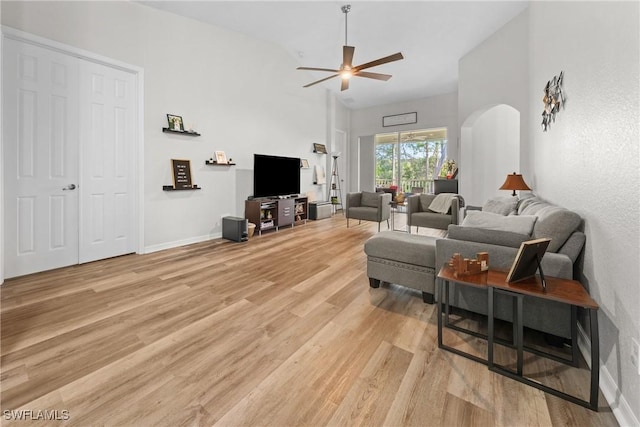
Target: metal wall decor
[553, 100]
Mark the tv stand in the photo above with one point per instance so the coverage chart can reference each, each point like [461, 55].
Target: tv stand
[271, 214]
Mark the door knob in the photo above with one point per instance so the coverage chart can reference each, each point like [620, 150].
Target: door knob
[70, 187]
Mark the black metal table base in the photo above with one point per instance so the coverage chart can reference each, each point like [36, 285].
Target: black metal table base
[518, 344]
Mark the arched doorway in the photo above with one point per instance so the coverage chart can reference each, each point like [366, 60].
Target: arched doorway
[489, 150]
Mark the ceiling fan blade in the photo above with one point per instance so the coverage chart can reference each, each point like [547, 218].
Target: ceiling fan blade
[347, 55]
[377, 76]
[344, 85]
[317, 69]
[390, 58]
[321, 80]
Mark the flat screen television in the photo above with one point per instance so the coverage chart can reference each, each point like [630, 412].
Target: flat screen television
[275, 176]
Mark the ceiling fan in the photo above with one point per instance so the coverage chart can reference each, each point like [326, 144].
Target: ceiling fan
[347, 70]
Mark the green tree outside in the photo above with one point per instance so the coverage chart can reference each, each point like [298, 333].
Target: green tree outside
[409, 164]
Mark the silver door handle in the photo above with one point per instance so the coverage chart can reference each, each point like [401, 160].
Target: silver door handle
[70, 187]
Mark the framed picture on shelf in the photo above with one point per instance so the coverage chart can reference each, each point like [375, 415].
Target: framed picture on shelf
[304, 163]
[319, 148]
[175, 122]
[221, 158]
[181, 174]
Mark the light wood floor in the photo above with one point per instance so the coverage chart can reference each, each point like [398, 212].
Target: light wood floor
[282, 330]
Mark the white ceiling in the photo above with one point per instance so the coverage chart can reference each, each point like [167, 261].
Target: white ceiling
[432, 36]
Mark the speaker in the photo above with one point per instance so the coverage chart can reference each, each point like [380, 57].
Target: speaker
[235, 228]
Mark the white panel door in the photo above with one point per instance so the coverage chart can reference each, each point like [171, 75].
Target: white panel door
[107, 195]
[40, 137]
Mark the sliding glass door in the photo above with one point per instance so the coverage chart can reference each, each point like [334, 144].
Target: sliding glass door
[410, 160]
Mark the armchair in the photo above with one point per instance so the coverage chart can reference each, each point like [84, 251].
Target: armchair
[419, 215]
[369, 207]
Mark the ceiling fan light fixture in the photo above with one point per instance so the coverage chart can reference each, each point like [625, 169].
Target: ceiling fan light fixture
[346, 73]
[347, 69]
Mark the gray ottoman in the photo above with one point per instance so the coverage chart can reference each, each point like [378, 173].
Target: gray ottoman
[404, 259]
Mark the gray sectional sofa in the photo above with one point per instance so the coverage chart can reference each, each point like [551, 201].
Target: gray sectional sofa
[499, 228]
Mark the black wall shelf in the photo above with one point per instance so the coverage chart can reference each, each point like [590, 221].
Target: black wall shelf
[184, 132]
[210, 163]
[172, 188]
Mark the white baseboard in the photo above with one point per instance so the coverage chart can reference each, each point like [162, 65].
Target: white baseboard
[619, 406]
[178, 243]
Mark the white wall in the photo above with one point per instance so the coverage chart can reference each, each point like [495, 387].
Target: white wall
[589, 160]
[433, 112]
[243, 95]
[496, 72]
[490, 142]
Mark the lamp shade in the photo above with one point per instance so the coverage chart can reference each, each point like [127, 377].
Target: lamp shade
[514, 182]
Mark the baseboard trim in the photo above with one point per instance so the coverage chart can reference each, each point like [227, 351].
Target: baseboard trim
[619, 406]
[178, 243]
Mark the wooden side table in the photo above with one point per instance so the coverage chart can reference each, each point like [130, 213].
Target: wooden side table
[565, 291]
[561, 290]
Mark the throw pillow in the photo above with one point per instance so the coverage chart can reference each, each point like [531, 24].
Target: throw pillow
[501, 205]
[521, 224]
[483, 235]
[369, 199]
[556, 224]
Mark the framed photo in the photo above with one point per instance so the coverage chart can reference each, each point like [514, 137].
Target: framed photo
[181, 173]
[304, 163]
[528, 260]
[319, 148]
[400, 119]
[175, 122]
[221, 158]
[320, 176]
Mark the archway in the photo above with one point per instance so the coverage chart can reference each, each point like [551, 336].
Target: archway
[489, 150]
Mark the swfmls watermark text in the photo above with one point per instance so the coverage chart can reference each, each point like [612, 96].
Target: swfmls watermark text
[36, 415]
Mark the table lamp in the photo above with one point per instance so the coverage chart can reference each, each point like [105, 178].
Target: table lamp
[514, 182]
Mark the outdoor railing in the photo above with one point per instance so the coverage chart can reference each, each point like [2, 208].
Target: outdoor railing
[408, 185]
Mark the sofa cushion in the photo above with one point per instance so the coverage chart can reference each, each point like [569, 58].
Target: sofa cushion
[483, 235]
[521, 224]
[430, 220]
[556, 224]
[370, 199]
[425, 201]
[501, 205]
[531, 205]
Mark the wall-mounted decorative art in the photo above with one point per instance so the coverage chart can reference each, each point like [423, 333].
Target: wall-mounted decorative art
[553, 100]
[400, 119]
[181, 174]
[319, 148]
